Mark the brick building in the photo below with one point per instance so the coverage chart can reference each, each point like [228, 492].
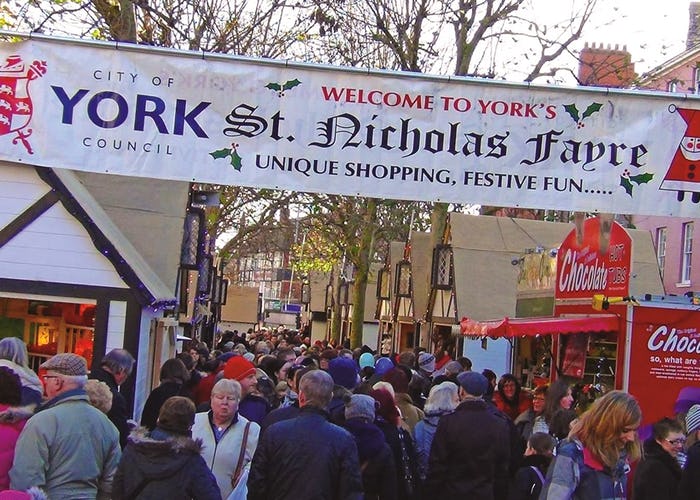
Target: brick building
[674, 237]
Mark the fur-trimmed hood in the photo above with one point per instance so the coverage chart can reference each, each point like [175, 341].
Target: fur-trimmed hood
[159, 454]
[27, 377]
[159, 440]
[15, 414]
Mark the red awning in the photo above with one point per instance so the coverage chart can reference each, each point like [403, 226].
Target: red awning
[546, 325]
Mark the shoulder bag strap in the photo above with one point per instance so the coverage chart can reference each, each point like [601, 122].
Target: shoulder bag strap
[538, 472]
[539, 475]
[241, 456]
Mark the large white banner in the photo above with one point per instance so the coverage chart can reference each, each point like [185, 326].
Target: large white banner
[197, 117]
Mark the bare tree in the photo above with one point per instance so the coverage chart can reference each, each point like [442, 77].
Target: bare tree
[262, 28]
[490, 38]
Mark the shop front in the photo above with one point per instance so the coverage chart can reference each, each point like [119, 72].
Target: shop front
[587, 339]
[583, 347]
[72, 281]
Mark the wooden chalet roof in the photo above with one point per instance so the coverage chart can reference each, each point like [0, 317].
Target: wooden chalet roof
[484, 246]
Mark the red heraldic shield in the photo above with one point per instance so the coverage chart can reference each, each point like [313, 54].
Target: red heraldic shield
[16, 107]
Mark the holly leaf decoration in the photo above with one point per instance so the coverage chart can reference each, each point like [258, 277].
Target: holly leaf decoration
[274, 86]
[220, 153]
[236, 160]
[641, 178]
[625, 183]
[290, 84]
[572, 110]
[592, 108]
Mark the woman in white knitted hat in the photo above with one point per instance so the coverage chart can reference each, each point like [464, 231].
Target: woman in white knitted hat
[689, 488]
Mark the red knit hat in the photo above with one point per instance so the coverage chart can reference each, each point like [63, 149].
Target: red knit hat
[238, 368]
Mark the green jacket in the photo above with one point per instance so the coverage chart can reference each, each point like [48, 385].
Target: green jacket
[69, 449]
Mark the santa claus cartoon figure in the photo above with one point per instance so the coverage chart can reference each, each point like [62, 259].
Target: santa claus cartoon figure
[683, 175]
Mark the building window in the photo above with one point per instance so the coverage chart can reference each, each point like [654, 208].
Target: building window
[672, 86]
[403, 279]
[383, 284]
[687, 252]
[696, 80]
[442, 272]
[661, 249]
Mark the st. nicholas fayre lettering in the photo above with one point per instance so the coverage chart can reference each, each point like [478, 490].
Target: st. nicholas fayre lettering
[300, 129]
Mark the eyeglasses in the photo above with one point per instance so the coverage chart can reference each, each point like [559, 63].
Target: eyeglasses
[228, 399]
[676, 442]
[538, 399]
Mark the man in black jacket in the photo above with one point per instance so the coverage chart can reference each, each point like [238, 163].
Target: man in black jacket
[307, 456]
[114, 369]
[470, 453]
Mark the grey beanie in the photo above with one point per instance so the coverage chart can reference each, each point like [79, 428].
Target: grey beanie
[426, 361]
[360, 406]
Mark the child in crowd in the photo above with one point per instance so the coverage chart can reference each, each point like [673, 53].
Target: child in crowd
[528, 480]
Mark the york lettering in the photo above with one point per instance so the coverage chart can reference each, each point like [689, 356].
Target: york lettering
[109, 109]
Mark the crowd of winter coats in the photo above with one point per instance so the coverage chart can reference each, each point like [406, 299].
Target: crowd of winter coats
[410, 392]
[404, 411]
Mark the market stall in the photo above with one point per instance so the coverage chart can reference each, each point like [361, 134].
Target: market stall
[601, 338]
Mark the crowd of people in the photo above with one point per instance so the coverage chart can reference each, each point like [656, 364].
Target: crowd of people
[269, 415]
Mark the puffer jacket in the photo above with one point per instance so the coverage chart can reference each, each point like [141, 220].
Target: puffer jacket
[305, 457]
[68, 448]
[9, 433]
[574, 474]
[158, 465]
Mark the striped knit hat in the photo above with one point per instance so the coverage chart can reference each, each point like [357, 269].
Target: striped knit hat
[692, 419]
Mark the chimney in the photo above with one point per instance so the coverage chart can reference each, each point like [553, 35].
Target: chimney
[605, 66]
[693, 25]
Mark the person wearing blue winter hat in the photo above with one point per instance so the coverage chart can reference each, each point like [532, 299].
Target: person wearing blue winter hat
[381, 366]
[345, 374]
[366, 360]
[366, 365]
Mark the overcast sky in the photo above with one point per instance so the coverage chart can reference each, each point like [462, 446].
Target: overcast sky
[652, 31]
